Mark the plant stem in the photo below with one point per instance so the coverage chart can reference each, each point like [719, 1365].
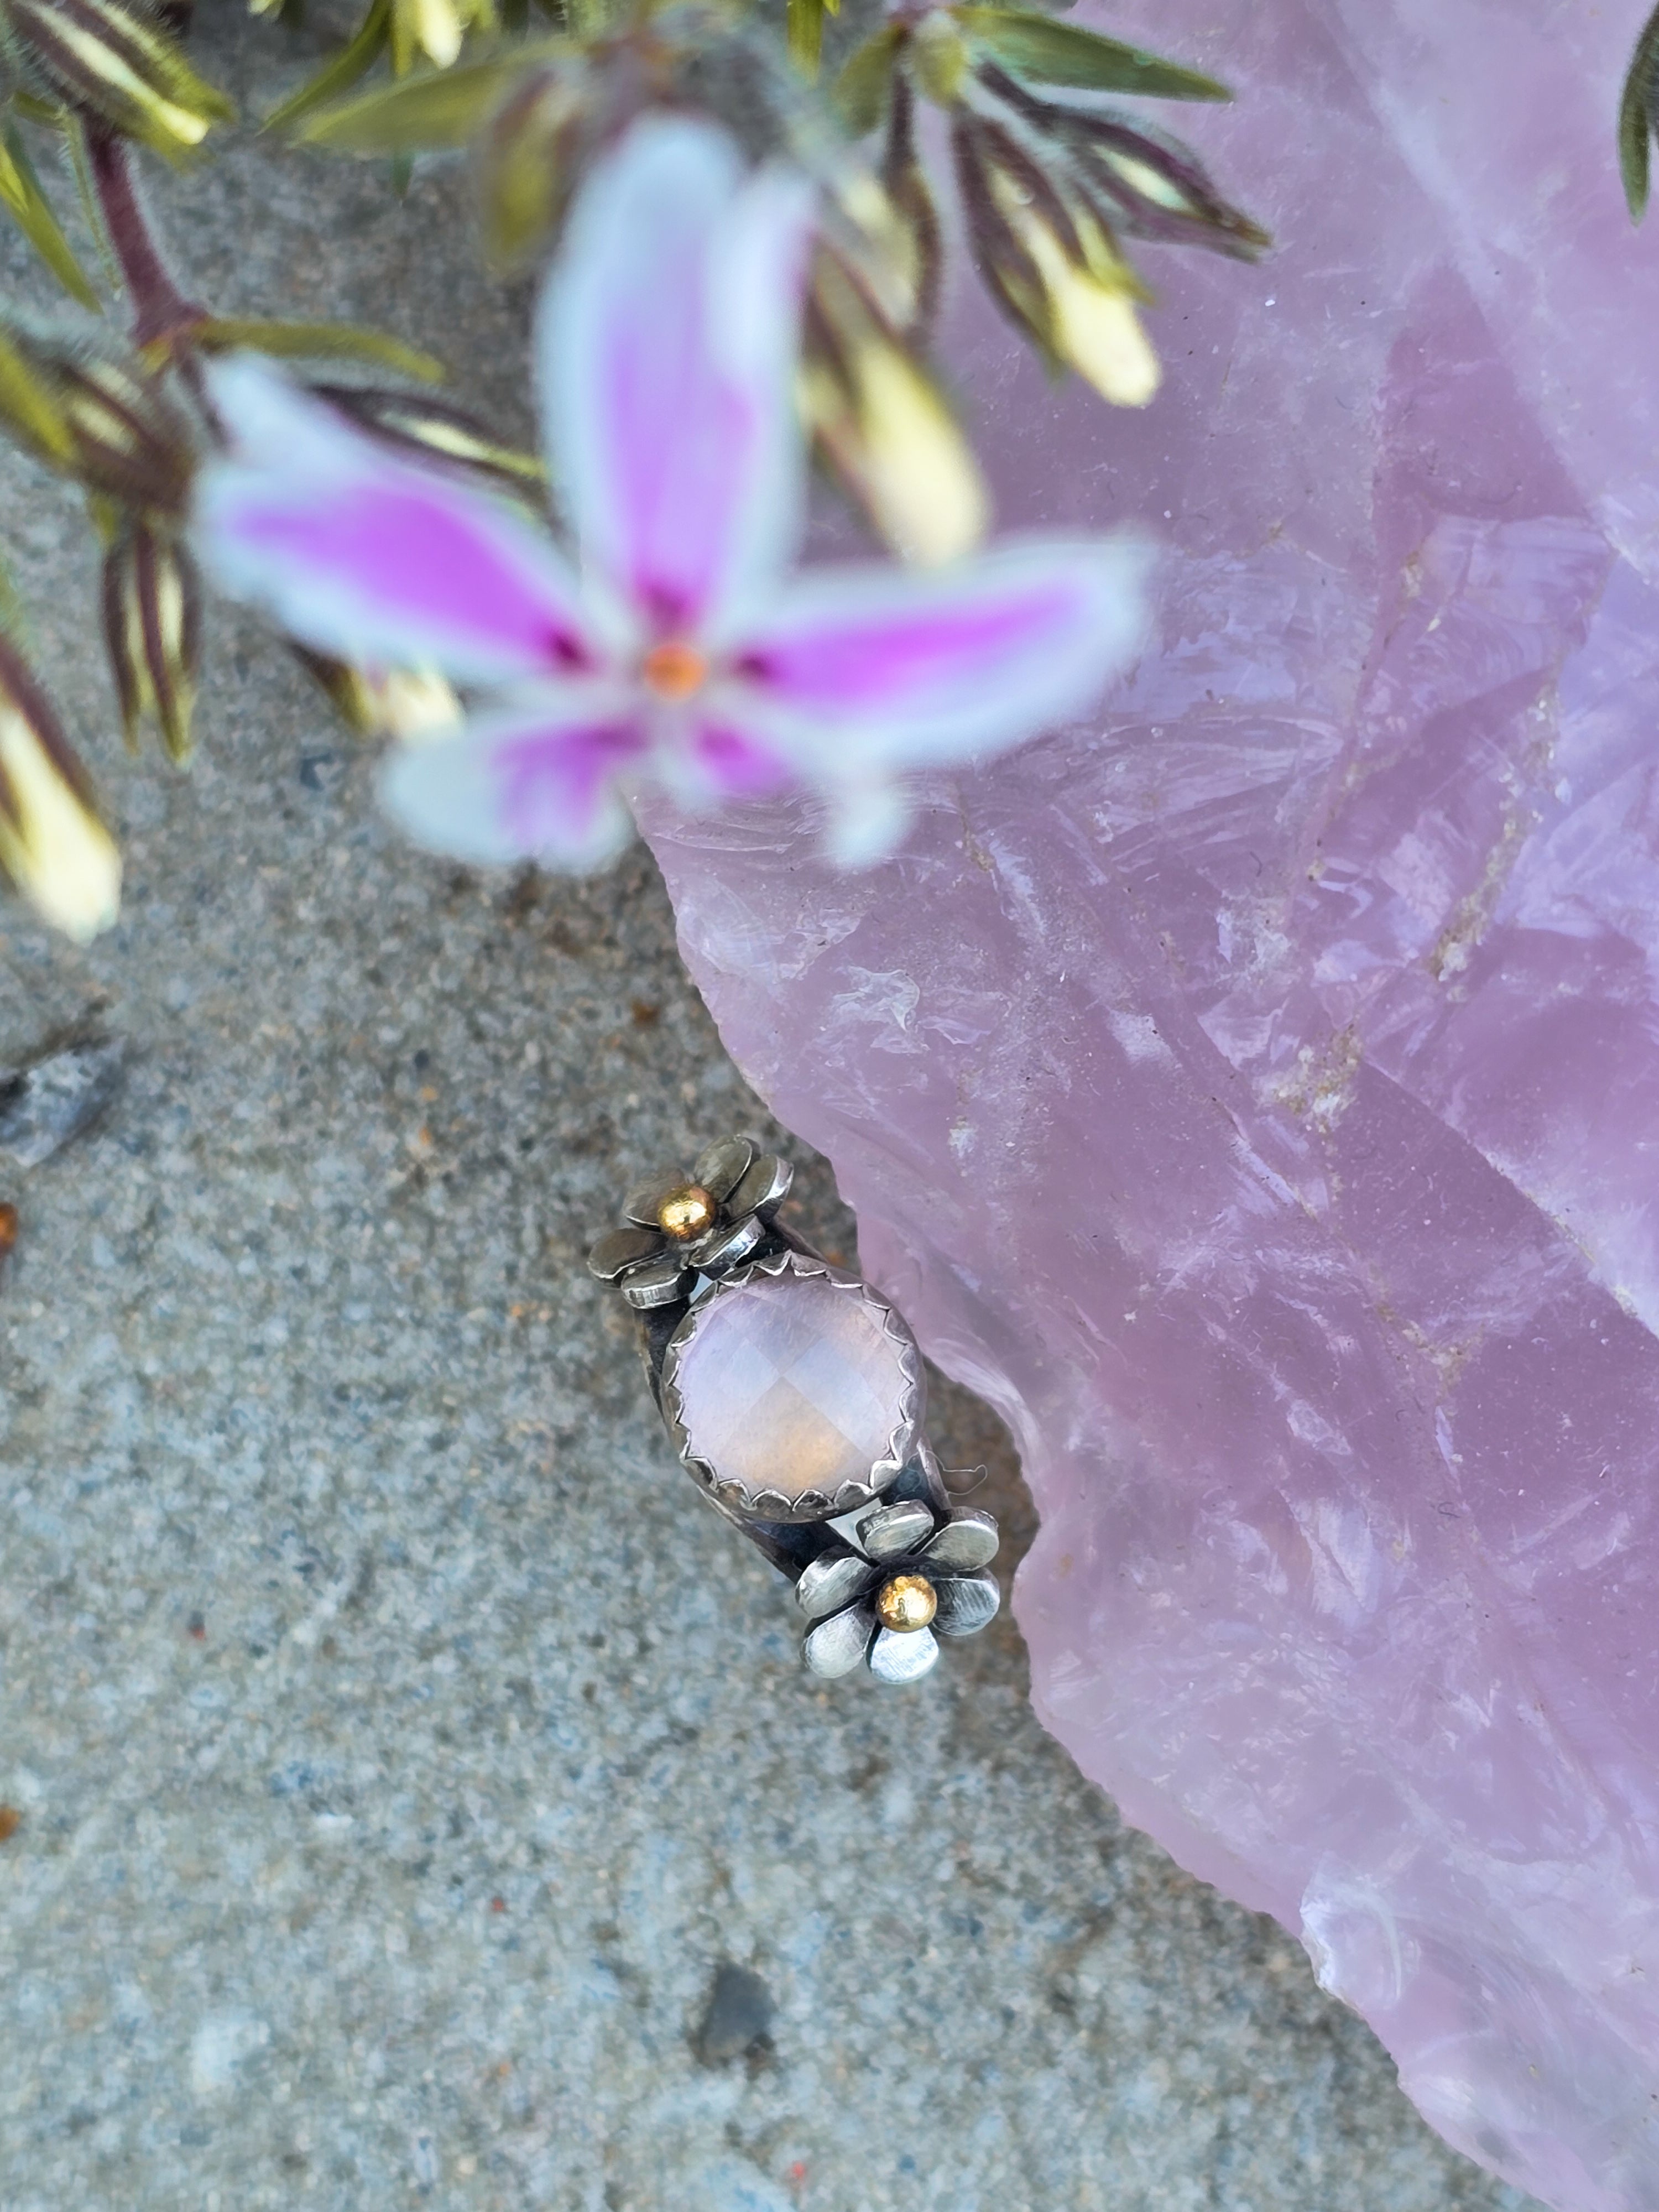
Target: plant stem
[159, 310]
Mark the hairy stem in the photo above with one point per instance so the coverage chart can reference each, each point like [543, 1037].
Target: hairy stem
[159, 310]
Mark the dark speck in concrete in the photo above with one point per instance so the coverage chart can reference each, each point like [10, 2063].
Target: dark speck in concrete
[736, 2022]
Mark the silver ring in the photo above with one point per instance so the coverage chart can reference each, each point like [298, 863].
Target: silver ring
[794, 1394]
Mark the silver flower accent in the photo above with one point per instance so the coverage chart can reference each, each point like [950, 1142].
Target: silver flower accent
[915, 1577]
[678, 1227]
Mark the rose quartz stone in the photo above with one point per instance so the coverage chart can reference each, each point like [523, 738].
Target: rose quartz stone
[790, 1384]
[1254, 1089]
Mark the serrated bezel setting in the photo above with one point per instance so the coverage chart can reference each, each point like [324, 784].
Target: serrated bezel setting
[812, 1505]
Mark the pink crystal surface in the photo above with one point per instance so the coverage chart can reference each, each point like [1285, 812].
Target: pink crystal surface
[1253, 1091]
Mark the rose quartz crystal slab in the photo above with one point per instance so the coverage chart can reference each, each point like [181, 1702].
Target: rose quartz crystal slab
[1254, 1089]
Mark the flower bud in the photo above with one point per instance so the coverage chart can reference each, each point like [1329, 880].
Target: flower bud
[409, 704]
[152, 603]
[1053, 265]
[1135, 177]
[433, 430]
[527, 162]
[1090, 303]
[883, 423]
[434, 28]
[1159, 192]
[939, 54]
[91, 417]
[53, 845]
[917, 249]
[112, 58]
[130, 440]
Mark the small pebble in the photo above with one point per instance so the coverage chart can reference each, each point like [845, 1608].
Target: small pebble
[57, 1096]
[737, 2023]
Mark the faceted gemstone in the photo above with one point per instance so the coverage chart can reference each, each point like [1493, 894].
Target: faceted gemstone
[1253, 1088]
[790, 1384]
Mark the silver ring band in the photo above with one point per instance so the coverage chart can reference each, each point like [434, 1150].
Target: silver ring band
[795, 1396]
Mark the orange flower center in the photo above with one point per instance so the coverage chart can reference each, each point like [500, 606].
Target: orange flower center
[674, 669]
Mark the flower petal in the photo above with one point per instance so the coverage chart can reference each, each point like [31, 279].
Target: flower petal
[836, 1578]
[763, 1188]
[967, 1603]
[726, 1246]
[620, 1249]
[529, 785]
[903, 1657]
[836, 1645]
[666, 345]
[721, 1166]
[660, 1283]
[861, 670]
[869, 816]
[891, 1530]
[373, 559]
[716, 758]
[968, 1540]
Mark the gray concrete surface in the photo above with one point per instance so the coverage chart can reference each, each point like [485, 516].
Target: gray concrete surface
[419, 1799]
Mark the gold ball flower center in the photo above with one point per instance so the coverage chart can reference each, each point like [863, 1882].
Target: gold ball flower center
[686, 1213]
[673, 670]
[906, 1601]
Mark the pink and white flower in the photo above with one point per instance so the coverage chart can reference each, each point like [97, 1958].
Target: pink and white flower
[678, 643]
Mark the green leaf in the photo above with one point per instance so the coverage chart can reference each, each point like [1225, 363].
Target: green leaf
[20, 193]
[1636, 116]
[316, 342]
[355, 59]
[442, 108]
[860, 91]
[1052, 52]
